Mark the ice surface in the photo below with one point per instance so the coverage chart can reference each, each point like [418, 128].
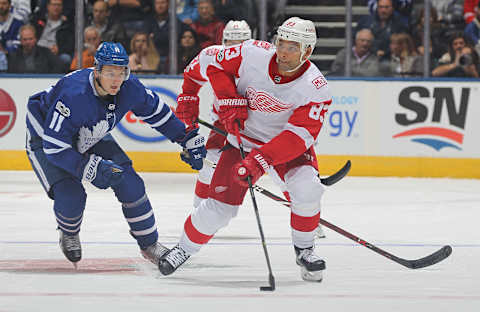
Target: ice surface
[407, 217]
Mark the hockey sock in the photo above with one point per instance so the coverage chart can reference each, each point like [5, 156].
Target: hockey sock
[137, 208]
[69, 203]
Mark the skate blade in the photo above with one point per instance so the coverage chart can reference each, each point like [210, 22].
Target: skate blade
[312, 276]
[75, 265]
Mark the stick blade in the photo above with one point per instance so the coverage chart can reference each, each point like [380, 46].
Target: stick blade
[338, 175]
[429, 260]
[271, 281]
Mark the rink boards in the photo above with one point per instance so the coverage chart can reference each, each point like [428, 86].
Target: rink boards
[387, 128]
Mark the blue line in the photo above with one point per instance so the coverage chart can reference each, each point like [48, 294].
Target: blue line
[252, 244]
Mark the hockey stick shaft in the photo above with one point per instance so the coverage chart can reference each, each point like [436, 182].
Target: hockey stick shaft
[330, 180]
[271, 279]
[429, 260]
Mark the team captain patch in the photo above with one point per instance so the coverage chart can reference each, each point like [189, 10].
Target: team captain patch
[62, 109]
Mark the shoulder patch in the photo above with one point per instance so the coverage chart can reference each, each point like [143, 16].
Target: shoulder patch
[319, 82]
[62, 109]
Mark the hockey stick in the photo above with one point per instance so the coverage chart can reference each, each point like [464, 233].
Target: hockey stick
[334, 178]
[271, 279]
[429, 260]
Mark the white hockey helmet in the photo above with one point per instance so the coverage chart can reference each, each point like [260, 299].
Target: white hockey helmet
[298, 30]
[236, 30]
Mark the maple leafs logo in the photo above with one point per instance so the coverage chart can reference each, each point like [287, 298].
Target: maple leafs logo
[87, 138]
[264, 102]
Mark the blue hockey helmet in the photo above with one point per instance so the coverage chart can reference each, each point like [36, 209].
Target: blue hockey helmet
[111, 53]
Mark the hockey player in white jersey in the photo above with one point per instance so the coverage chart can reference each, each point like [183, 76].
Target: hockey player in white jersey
[68, 141]
[279, 99]
[194, 77]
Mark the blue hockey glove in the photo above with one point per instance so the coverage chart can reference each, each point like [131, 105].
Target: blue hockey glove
[193, 149]
[102, 173]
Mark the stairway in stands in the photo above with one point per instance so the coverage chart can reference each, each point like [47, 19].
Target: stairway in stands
[329, 19]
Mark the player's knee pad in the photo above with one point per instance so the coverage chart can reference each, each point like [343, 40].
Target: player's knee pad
[213, 215]
[305, 190]
[131, 188]
[69, 204]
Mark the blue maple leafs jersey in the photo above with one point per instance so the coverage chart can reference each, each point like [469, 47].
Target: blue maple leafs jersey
[70, 117]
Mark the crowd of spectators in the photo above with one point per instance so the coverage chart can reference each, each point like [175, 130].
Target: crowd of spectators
[389, 42]
[34, 29]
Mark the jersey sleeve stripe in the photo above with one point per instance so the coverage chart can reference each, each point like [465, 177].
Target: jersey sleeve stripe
[35, 124]
[55, 141]
[157, 111]
[54, 150]
[302, 133]
[163, 120]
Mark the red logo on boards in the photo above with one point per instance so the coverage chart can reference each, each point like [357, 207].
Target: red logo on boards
[8, 112]
[264, 102]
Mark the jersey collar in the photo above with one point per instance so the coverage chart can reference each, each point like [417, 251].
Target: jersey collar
[277, 78]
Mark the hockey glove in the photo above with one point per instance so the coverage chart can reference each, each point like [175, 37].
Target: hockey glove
[231, 110]
[254, 165]
[102, 173]
[193, 149]
[187, 108]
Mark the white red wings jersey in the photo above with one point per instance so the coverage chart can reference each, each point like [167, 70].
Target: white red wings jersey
[285, 112]
[195, 74]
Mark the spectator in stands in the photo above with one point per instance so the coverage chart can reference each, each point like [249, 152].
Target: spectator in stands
[438, 45]
[470, 10]
[39, 8]
[209, 27]
[9, 28]
[56, 32]
[403, 7]
[404, 60]
[188, 48]
[158, 25]
[383, 23]
[461, 60]
[22, 9]
[92, 40]
[144, 57]
[31, 58]
[110, 31]
[472, 31]
[131, 14]
[364, 62]
[450, 13]
[187, 11]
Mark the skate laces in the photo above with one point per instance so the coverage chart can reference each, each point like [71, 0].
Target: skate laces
[308, 255]
[155, 252]
[71, 242]
[177, 256]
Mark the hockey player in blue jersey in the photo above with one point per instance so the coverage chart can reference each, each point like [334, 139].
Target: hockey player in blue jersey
[68, 141]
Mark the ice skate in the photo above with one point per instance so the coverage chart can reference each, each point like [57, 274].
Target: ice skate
[71, 247]
[172, 260]
[312, 266]
[319, 232]
[154, 252]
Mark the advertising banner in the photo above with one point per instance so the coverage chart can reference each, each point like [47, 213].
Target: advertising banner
[368, 120]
